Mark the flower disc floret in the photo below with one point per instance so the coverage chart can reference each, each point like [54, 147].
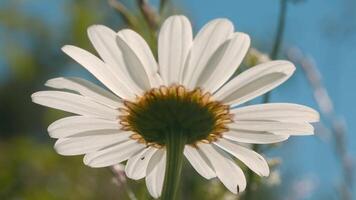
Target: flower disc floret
[175, 110]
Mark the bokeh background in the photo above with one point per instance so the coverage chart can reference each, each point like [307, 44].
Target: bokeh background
[319, 36]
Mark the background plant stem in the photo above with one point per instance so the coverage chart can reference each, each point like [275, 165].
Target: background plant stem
[162, 5]
[121, 181]
[336, 124]
[278, 38]
[266, 97]
[149, 14]
[280, 29]
[124, 12]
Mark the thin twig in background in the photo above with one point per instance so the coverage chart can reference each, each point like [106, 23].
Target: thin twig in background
[278, 38]
[266, 97]
[149, 14]
[337, 126]
[162, 5]
[120, 179]
[280, 30]
[123, 11]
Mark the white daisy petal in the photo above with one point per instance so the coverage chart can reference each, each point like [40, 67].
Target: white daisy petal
[224, 62]
[209, 38]
[250, 158]
[86, 89]
[104, 41]
[190, 72]
[155, 173]
[279, 128]
[139, 60]
[70, 126]
[282, 112]
[85, 144]
[225, 168]
[174, 41]
[199, 162]
[136, 166]
[254, 137]
[254, 82]
[99, 69]
[114, 154]
[73, 103]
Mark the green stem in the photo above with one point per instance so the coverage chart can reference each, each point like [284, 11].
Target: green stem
[162, 5]
[175, 142]
[280, 29]
[278, 39]
[266, 97]
[124, 12]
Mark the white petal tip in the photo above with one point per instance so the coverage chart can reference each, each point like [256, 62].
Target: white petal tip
[35, 97]
[244, 36]
[316, 115]
[176, 17]
[265, 173]
[289, 67]
[97, 28]
[67, 48]
[62, 150]
[91, 164]
[222, 19]
[52, 82]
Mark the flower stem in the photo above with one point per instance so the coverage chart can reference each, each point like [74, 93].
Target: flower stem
[266, 97]
[162, 5]
[280, 29]
[175, 142]
[278, 39]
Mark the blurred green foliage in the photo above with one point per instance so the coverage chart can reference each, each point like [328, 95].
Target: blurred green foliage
[33, 171]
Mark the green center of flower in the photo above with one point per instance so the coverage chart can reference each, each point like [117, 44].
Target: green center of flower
[168, 111]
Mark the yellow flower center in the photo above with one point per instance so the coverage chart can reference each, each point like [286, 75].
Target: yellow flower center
[164, 111]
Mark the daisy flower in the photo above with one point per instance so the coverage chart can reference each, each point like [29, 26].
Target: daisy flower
[185, 103]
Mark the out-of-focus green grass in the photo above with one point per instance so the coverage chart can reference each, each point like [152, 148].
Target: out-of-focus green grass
[32, 170]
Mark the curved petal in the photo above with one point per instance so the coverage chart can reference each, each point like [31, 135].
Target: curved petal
[254, 82]
[225, 168]
[199, 162]
[209, 38]
[73, 103]
[250, 158]
[100, 70]
[278, 128]
[155, 173]
[138, 59]
[174, 41]
[114, 154]
[86, 144]
[86, 89]
[70, 126]
[136, 166]
[254, 137]
[224, 62]
[282, 112]
[103, 39]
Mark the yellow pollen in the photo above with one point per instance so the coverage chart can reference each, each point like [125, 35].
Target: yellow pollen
[172, 109]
